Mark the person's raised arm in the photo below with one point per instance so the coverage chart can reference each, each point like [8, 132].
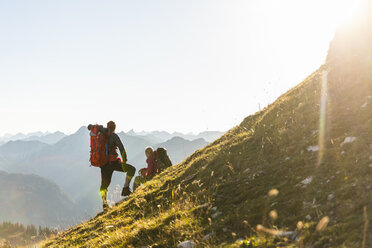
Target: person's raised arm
[120, 145]
[101, 129]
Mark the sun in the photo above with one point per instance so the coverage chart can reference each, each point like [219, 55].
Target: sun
[342, 11]
[329, 13]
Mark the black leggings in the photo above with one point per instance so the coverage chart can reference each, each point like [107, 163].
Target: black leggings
[108, 169]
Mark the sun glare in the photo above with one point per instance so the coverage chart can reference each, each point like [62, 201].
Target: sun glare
[328, 13]
[342, 10]
[334, 12]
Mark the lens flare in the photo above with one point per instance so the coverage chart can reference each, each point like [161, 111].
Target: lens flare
[322, 117]
[323, 223]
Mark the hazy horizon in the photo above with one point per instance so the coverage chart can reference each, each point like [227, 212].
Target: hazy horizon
[118, 131]
[165, 65]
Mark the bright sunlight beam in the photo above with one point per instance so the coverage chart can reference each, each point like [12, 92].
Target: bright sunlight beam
[342, 11]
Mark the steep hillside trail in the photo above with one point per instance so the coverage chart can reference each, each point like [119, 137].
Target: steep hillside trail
[298, 173]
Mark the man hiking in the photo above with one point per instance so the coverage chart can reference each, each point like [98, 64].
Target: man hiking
[114, 162]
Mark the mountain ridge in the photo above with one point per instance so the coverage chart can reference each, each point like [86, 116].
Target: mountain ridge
[47, 205]
[297, 173]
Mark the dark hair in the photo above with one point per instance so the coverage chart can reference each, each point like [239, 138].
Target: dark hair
[111, 126]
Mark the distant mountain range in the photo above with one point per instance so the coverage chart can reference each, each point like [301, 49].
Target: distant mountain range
[64, 159]
[162, 136]
[48, 138]
[154, 136]
[31, 199]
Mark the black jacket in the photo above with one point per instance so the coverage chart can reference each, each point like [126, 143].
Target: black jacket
[114, 142]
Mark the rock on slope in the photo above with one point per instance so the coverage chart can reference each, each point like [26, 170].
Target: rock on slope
[319, 162]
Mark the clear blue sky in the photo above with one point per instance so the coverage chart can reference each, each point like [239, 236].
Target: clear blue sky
[155, 65]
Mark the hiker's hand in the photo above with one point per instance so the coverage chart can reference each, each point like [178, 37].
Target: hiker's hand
[142, 172]
[146, 173]
[124, 162]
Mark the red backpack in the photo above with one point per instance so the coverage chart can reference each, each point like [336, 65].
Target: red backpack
[98, 147]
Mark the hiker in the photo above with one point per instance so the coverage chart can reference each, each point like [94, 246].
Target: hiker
[157, 161]
[112, 162]
[148, 173]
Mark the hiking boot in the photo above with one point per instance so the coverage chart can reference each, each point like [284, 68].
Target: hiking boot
[126, 191]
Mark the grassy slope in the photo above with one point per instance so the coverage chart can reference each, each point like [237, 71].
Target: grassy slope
[267, 150]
